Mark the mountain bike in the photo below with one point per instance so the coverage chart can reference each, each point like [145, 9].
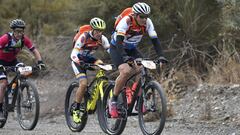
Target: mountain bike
[148, 99]
[92, 97]
[21, 96]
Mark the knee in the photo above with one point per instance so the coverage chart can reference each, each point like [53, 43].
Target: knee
[124, 70]
[3, 84]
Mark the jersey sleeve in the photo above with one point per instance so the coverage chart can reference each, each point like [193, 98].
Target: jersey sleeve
[150, 29]
[105, 42]
[3, 41]
[77, 47]
[123, 26]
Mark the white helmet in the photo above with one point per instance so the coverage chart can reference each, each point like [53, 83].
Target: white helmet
[17, 23]
[141, 8]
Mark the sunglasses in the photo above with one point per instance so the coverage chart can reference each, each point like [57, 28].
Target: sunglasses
[18, 31]
[142, 16]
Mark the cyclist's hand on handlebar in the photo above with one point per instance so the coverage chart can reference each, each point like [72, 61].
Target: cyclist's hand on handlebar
[129, 60]
[41, 65]
[2, 68]
[97, 62]
[82, 64]
[162, 60]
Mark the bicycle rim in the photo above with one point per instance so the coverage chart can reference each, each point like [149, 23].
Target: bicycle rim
[112, 126]
[152, 109]
[28, 106]
[75, 127]
[5, 112]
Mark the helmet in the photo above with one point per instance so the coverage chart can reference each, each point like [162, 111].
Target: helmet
[97, 24]
[17, 23]
[141, 8]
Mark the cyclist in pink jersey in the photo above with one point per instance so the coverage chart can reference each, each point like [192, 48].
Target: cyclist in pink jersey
[11, 44]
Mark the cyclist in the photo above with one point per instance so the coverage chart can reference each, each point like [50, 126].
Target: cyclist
[11, 44]
[128, 33]
[82, 53]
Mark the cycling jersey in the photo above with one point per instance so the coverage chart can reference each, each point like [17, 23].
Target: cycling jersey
[132, 32]
[10, 47]
[86, 45]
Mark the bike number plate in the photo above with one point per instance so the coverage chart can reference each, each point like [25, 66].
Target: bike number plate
[25, 70]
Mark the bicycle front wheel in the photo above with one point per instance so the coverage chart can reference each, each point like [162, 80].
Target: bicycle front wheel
[152, 109]
[113, 126]
[28, 105]
[75, 127]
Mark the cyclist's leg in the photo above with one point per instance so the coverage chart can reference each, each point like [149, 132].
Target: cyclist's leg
[4, 83]
[81, 75]
[136, 54]
[125, 71]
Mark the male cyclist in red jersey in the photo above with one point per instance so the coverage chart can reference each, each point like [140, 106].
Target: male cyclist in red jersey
[11, 44]
[82, 53]
[128, 33]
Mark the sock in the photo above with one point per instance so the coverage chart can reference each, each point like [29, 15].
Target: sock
[114, 98]
[76, 105]
[134, 86]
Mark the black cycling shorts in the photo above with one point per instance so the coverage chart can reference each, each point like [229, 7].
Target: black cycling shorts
[116, 57]
[3, 74]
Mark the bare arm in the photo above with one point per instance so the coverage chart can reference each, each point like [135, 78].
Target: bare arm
[37, 55]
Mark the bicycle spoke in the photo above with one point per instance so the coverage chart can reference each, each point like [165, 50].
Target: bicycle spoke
[152, 121]
[28, 106]
[76, 127]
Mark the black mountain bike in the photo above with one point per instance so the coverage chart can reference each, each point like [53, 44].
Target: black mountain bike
[21, 96]
[92, 98]
[148, 99]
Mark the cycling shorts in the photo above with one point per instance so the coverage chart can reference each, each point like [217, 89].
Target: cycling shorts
[79, 71]
[3, 74]
[116, 57]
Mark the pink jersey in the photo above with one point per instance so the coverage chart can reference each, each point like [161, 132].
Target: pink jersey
[9, 47]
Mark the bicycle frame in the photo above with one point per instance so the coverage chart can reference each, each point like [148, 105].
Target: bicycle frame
[18, 78]
[141, 85]
[10, 106]
[99, 81]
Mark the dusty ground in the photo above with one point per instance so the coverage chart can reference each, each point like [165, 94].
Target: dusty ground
[202, 110]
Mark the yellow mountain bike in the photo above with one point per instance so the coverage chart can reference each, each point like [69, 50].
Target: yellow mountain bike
[92, 98]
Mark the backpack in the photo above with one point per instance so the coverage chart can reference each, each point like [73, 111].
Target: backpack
[82, 29]
[125, 12]
[8, 46]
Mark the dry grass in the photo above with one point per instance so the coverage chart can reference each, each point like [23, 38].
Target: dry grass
[225, 72]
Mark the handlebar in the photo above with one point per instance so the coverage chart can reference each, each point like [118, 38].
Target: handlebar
[104, 66]
[15, 68]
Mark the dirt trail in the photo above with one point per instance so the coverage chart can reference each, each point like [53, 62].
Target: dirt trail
[187, 119]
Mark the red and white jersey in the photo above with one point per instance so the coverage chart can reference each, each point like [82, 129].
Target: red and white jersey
[85, 45]
[132, 32]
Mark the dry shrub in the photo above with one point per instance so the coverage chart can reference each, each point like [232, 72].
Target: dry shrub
[225, 72]
[176, 85]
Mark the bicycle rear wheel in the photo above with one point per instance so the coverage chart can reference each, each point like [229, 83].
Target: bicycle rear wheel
[75, 127]
[152, 109]
[5, 110]
[28, 106]
[113, 126]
